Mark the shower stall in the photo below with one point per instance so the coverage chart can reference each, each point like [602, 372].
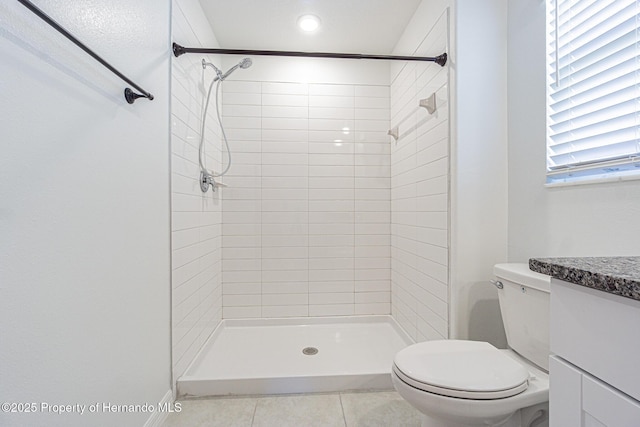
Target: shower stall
[324, 248]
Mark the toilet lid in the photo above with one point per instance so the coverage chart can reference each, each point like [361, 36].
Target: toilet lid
[466, 369]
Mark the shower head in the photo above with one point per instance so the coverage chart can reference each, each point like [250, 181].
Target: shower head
[244, 64]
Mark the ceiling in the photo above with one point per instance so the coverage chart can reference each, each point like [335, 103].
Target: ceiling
[348, 26]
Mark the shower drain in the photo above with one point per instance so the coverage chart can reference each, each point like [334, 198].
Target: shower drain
[309, 351]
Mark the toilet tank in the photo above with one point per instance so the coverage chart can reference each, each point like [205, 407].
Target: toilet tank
[524, 304]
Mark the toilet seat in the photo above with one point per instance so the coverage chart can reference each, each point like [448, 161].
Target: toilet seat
[461, 369]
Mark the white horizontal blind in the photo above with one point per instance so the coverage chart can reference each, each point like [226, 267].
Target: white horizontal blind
[593, 89]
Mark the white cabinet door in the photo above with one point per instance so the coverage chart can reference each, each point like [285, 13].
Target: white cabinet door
[565, 397]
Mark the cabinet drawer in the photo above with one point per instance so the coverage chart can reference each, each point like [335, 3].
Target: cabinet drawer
[598, 332]
[608, 405]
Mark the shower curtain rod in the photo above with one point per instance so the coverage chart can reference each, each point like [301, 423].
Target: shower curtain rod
[129, 95]
[181, 50]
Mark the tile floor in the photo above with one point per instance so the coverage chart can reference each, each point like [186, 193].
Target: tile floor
[353, 409]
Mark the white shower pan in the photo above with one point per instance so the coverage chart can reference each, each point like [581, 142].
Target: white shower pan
[278, 356]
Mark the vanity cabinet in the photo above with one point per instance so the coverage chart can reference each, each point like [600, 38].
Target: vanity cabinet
[581, 400]
[594, 369]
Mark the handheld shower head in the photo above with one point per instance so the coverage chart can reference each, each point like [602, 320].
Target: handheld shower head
[244, 64]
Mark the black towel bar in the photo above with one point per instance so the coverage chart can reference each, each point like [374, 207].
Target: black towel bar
[129, 94]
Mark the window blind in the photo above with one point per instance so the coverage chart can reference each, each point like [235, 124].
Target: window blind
[593, 90]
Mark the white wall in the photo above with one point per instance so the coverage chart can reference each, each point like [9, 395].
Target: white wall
[306, 218]
[420, 186]
[196, 216]
[588, 220]
[84, 211]
[479, 176]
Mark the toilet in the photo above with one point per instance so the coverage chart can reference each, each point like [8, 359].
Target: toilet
[457, 383]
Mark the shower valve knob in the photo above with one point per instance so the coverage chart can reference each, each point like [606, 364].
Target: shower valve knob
[207, 180]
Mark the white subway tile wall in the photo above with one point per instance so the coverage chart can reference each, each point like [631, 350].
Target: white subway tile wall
[196, 244]
[420, 195]
[323, 216]
[306, 216]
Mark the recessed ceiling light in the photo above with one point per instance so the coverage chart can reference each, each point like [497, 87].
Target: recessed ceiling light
[308, 23]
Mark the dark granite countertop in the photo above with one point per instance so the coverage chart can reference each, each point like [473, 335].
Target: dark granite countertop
[616, 275]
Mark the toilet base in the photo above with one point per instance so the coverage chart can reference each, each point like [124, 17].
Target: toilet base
[533, 416]
[428, 421]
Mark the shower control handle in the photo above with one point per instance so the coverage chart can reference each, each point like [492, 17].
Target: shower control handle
[207, 180]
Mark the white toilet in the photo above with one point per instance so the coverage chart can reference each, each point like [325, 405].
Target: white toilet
[458, 383]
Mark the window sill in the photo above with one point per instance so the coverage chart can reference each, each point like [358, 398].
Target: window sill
[592, 180]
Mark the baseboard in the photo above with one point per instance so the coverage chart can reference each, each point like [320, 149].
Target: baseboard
[158, 417]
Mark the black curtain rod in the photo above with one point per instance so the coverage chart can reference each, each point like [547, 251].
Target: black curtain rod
[181, 50]
[129, 95]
